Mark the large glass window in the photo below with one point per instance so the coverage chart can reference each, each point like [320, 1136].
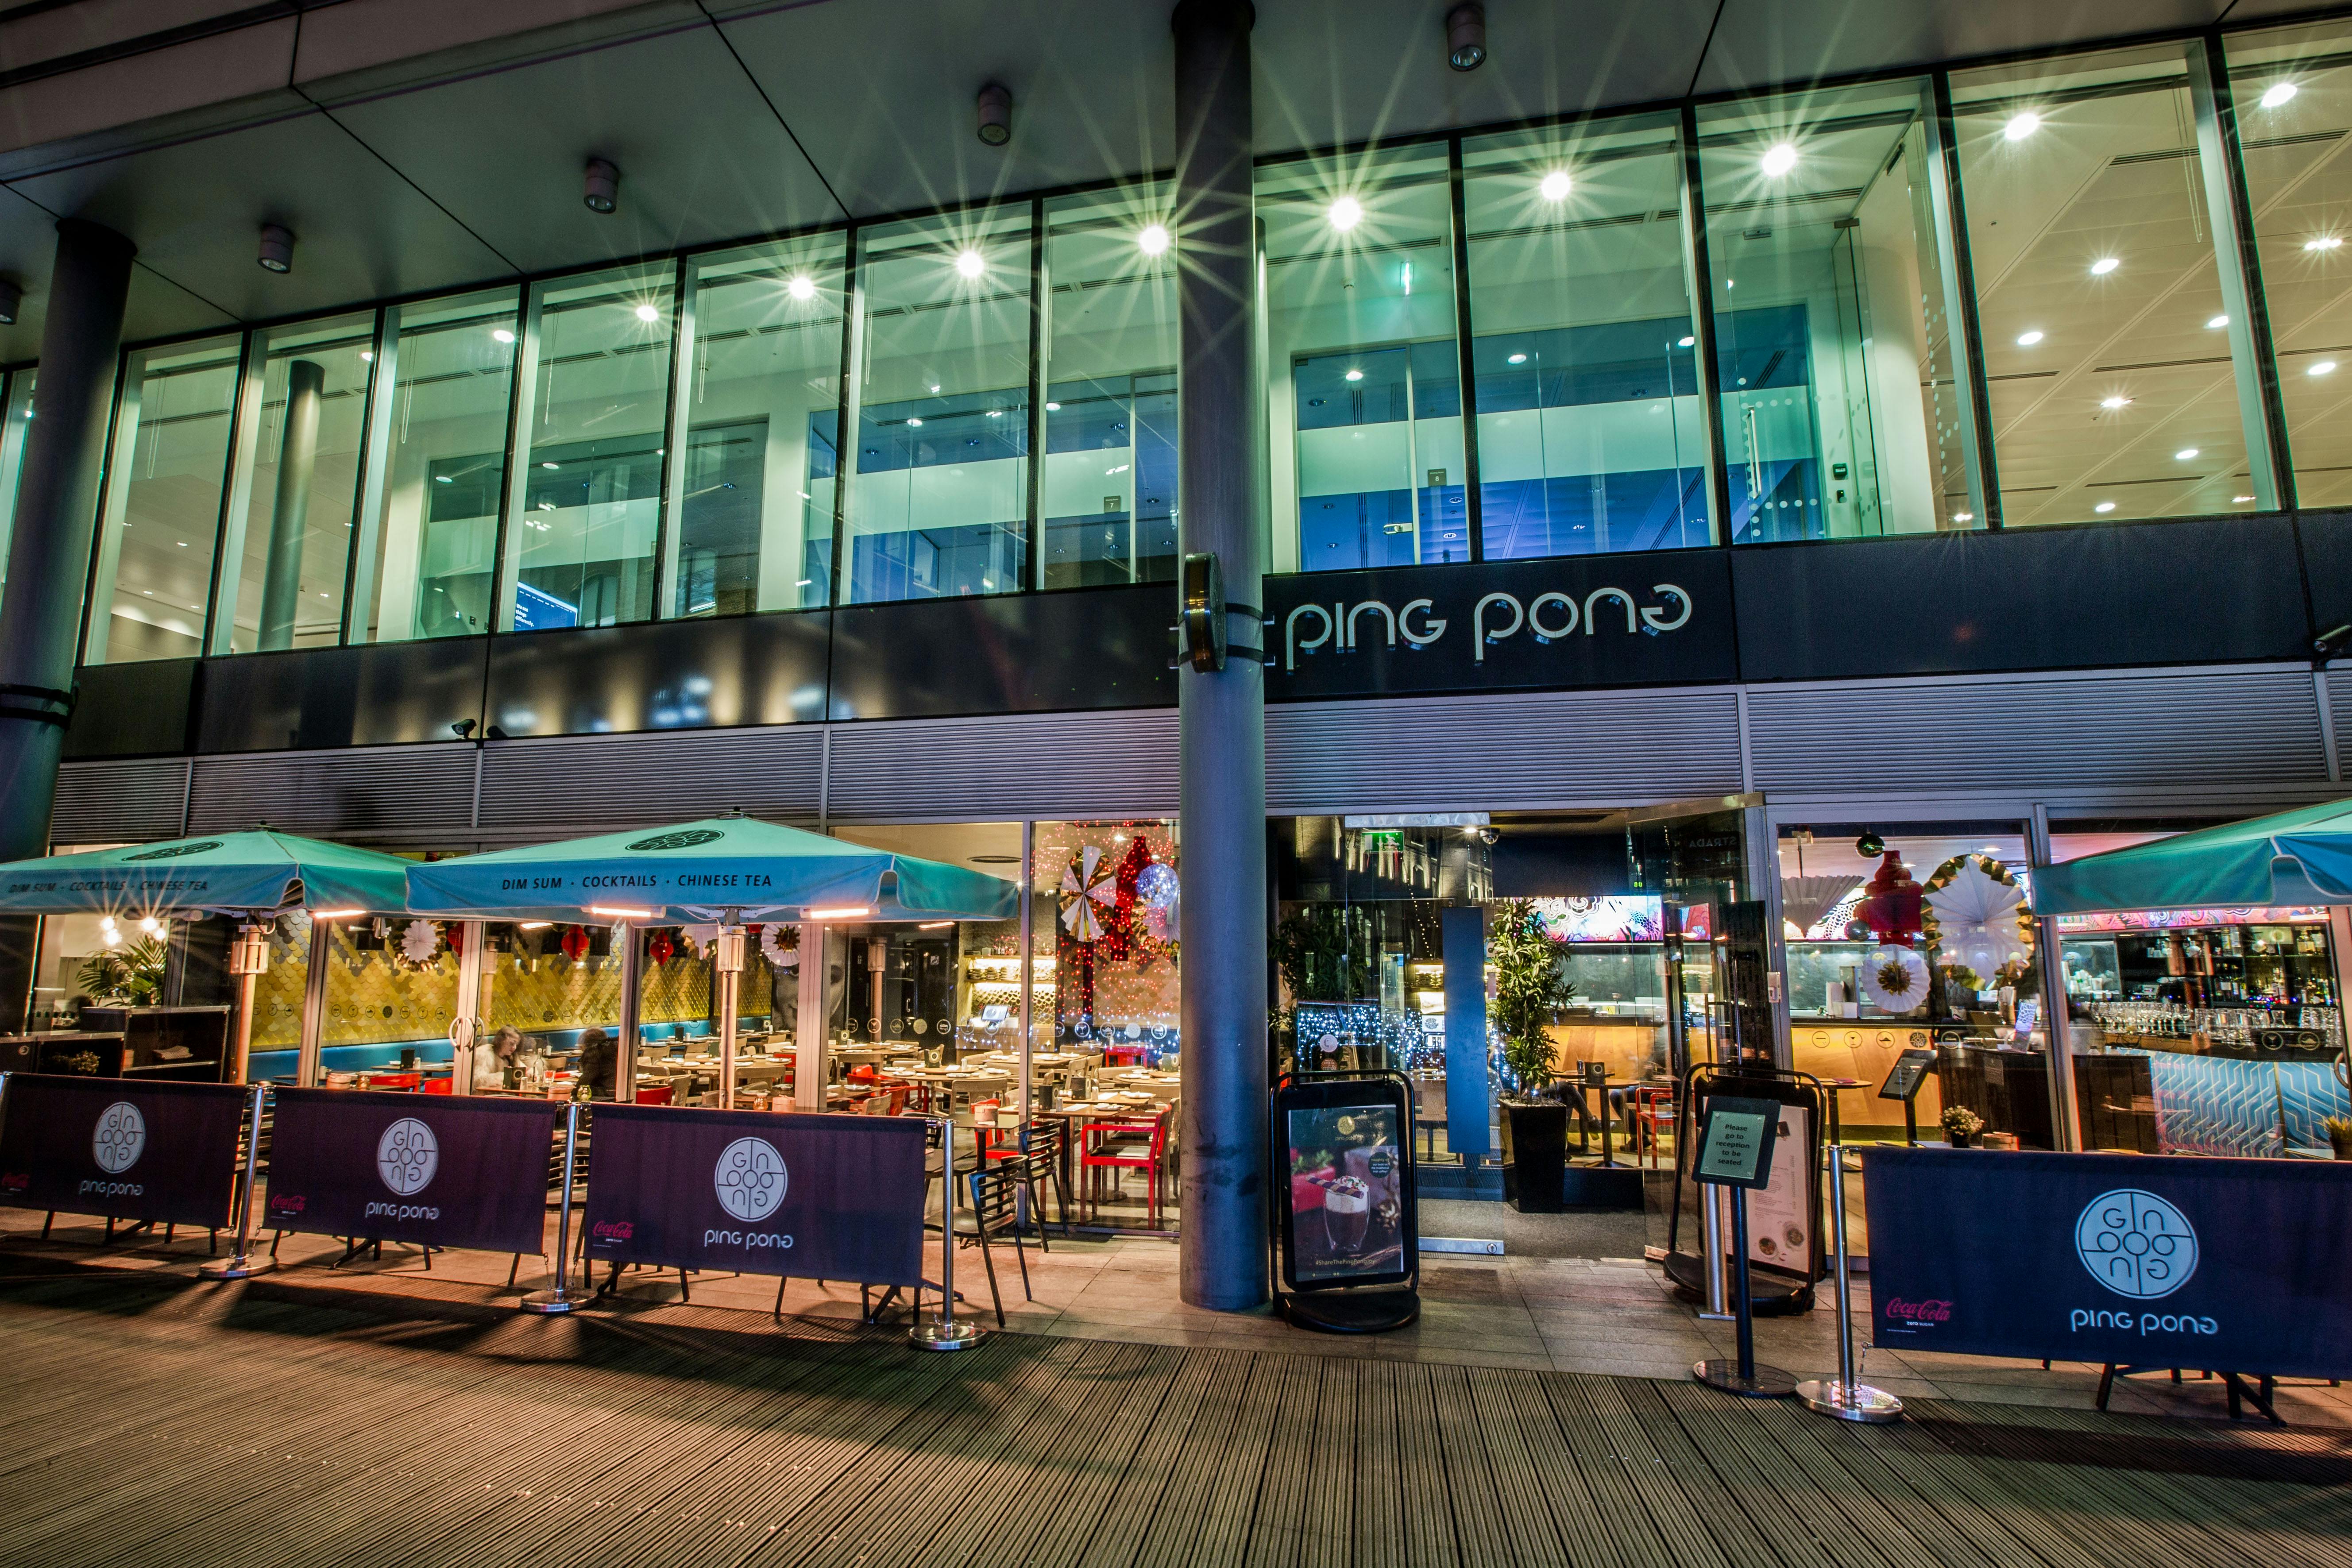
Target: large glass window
[583, 508]
[163, 503]
[2107, 337]
[1364, 384]
[940, 503]
[1590, 432]
[2293, 95]
[287, 538]
[16, 415]
[759, 400]
[436, 470]
[1841, 414]
[1109, 485]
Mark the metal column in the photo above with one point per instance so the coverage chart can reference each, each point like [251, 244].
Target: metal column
[290, 518]
[1220, 764]
[2066, 1130]
[319, 950]
[48, 556]
[625, 1075]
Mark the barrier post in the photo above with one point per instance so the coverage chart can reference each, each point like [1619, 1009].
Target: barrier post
[946, 1333]
[1718, 1302]
[241, 1266]
[561, 1299]
[1845, 1398]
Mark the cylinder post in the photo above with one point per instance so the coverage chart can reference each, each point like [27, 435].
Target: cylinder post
[297, 459]
[241, 1266]
[944, 1332]
[561, 1299]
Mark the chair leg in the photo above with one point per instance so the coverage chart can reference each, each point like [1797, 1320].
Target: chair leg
[1021, 1257]
[990, 1263]
[783, 1280]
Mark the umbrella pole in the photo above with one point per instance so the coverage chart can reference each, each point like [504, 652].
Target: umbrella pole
[248, 957]
[728, 959]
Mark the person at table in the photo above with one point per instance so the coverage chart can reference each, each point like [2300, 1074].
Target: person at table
[497, 1064]
[600, 1062]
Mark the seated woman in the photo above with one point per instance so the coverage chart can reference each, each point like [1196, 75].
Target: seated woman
[600, 1060]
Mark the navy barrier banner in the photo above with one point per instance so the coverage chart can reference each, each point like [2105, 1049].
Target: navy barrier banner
[428, 1169]
[824, 1197]
[123, 1148]
[2230, 1265]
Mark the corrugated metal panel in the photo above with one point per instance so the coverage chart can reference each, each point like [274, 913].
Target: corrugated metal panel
[2095, 735]
[1515, 751]
[118, 803]
[403, 795]
[1052, 765]
[579, 783]
[2339, 708]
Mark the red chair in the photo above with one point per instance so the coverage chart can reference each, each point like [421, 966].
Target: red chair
[1125, 1057]
[394, 1079]
[1125, 1146]
[663, 1095]
[440, 1086]
[1651, 1111]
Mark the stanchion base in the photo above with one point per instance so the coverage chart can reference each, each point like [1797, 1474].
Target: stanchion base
[235, 1268]
[930, 1334]
[1857, 1402]
[547, 1303]
[1769, 1382]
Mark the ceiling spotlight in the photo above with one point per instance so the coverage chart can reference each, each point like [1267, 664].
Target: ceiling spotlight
[2022, 126]
[2185, 454]
[150, 924]
[2116, 402]
[1555, 185]
[499, 334]
[2104, 506]
[277, 254]
[2027, 339]
[2323, 242]
[599, 186]
[2217, 323]
[1355, 375]
[802, 286]
[2277, 93]
[1052, 409]
[1154, 240]
[1466, 36]
[647, 314]
[996, 114]
[2240, 501]
[1519, 359]
[2103, 265]
[2324, 367]
[1684, 343]
[971, 264]
[11, 296]
[1964, 517]
[1345, 213]
[913, 423]
[1779, 159]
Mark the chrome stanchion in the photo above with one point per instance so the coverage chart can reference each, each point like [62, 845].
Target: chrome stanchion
[1718, 1291]
[561, 1299]
[1844, 1397]
[241, 1266]
[946, 1333]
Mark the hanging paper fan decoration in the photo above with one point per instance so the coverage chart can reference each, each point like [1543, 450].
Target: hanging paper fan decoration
[781, 946]
[1977, 918]
[1158, 888]
[575, 943]
[1089, 889]
[419, 941]
[1806, 902]
[1895, 980]
[661, 948]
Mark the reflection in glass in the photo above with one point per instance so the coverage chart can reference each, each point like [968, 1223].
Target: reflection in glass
[436, 470]
[1841, 414]
[761, 387]
[1365, 395]
[2107, 341]
[163, 503]
[1110, 498]
[288, 535]
[939, 506]
[16, 415]
[584, 510]
[1589, 411]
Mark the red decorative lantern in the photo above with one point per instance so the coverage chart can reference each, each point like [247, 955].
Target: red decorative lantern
[575, 943]
[660, 947]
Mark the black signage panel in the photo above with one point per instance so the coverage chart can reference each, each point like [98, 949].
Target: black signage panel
[1909, 1071]
[824, 1197]
[1734, 1148]
[2236, 1265]
[123, 1148]
[1660, 618]
[429, 1169]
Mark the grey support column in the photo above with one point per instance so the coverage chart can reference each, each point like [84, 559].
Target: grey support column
[48, 558]
[290, 520]
[1221, 714]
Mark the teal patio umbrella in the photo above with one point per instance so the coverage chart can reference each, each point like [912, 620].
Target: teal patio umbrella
[723, 869]
[2302, 857]
[251, 875]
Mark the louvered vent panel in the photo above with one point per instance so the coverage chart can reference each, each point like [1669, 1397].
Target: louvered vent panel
[1514, 753]
[2118, 735]
[2339, 707]
[581, 784]
[119, 803]
[410, 795]
[1051, 765]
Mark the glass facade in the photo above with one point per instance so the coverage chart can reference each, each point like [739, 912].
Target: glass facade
[2075, 290]
[16, 415]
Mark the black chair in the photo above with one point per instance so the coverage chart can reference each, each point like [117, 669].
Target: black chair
[994, 1214]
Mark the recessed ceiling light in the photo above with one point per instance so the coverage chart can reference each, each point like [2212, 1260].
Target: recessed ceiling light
[2184, 453]
[1779, 159]
[802, 287]
[1684, 342]
[1964, 517]
[914, 424]
[502, 334]
[2240, 501]
[2104, 506]
[1052, 409]
[2113, 402]
[549, 465]
[2217, 323]
[970, 263]
[2323, 242]
[2277, 93]
[1345, 213]
[996, 414]
[1555, 185]
[647, 314]
[2027, 340]
[1518, 358]
[1153, 239]
[2323, 367]
[2103, 265]
[1355, 375]
[2022, 126]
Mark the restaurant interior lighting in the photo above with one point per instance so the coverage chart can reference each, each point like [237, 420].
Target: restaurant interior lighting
[2324, 367]
[845, 914]
[1555, 185]
[1355, 375]
[337, 914]
[2103, 265]
[2217, 323]
[106, 922]
[113, 938]
[1519, 359]
[499, 334]
[2022, 126]
[1345, 213]
[150, 924]
[2278, 94]
[2104, 506]
[2323, 242]
[2027, 340]
[1685, 342]
[935, 925]
[620, 912]
[1154, 240]
[2116, 402]
[2185, 454]
[2240, 501]
[1779, 159]
[534, 925]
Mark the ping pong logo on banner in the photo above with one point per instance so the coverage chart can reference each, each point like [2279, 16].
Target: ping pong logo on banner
[120, 1138]
[2136, 1244]
[407, 1156]
[750, 1179]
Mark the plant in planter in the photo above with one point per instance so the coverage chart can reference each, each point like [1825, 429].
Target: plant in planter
[1528, 990]
[1961, 1125]
[2340, 1136]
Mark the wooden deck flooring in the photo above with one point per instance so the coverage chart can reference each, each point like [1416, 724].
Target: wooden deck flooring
[281, 1424]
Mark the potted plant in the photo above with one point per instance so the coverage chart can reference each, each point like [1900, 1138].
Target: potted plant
[1961, 1125]
[2340, 1136]
[1528, 990]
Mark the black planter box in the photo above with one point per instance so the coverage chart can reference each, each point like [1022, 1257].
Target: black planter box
[1535, 1157]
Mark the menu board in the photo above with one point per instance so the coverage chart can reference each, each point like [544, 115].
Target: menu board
[1346, 1216]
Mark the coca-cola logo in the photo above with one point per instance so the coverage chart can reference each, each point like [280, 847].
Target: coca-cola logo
[1919, 1311]
[17, 1182]
[615, 1229]
[288, 1203]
